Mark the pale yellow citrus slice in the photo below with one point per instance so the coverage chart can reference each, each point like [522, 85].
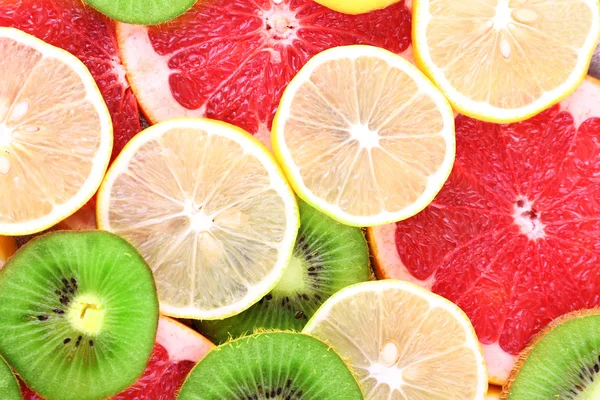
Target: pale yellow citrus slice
[8, 246]
[55, 134]
[209, 209]
[356, 6]
[364, 136]
[403, 342]
[505, 60]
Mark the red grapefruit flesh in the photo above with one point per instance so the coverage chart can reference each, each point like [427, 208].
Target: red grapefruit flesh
[177, 350]
[231, 59]
[89, 36]
[513, 238]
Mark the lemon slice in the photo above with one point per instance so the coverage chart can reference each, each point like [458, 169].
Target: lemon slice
[356, 6]
[55, 134]
[364, 136]
[505, 60]
[8, 246]
[403, 342]
[209, 209]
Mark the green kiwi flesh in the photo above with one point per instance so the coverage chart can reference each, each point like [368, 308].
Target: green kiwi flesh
[277, 365]
[563, 361]
[142, 12]
[79, 315]
[9, 388]
[328, 256]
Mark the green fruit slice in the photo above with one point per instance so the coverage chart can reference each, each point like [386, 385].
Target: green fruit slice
[9, 388]
[79, 315]
[277, 365]
[562, 361]
[328, 256]
[142, 12]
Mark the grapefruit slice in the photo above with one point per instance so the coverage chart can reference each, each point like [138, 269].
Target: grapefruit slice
[513, 238]
[176, 351]
[407, 357]
[90, 36]
[536, 52]
[231, 59]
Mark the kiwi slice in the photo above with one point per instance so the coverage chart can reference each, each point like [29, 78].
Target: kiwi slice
[79, 315]
[9, 388]
[142, 12]
[328, 256]
[277, 365]
[561, 362]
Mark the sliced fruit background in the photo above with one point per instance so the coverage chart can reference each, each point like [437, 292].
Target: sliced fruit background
[512, 238]
[230, 60]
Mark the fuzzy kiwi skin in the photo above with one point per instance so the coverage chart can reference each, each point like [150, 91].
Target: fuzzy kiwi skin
[35, 312]
[333, 255]
[554, 349]
[272, 365]
[9, 388]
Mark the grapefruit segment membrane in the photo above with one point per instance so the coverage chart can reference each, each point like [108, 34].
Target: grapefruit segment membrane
[512, 238]
[230, 60]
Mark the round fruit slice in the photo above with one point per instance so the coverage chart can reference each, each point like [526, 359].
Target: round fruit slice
[89, 36]
[402, 342]
[516, 213]
[54, 147]
[8, 246]
[355, 6]
[533, 59]
[176, 351]
[140, 11]
[79, 315]
[208, 208]
[363, 136]
[328, 256]
[8, 383]
[561, 362]
[182, 69]
[271, 365]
